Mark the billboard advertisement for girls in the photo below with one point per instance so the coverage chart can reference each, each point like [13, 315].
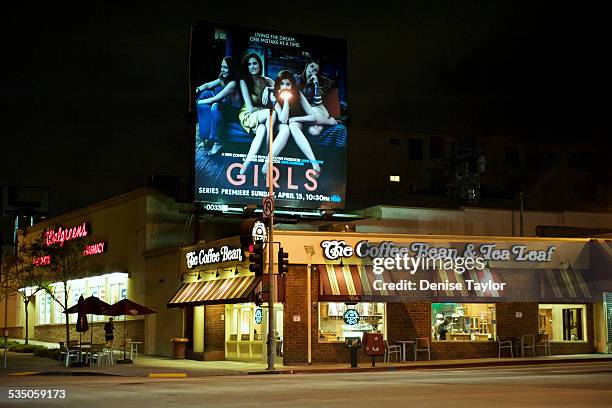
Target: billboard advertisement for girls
[238, 76]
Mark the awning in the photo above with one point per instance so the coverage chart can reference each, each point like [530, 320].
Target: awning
[350, 283]
[564, 284]
[480, 285]
[220, 291]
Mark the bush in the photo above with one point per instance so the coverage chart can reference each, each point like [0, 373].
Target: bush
[10, 343]
[49, 353]
[25, 348]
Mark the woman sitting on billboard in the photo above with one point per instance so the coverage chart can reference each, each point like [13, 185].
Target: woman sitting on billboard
[216, 102]
[253, 115]
[295, 109]
[315, 88]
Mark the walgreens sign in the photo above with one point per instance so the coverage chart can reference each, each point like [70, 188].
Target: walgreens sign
[63, 234]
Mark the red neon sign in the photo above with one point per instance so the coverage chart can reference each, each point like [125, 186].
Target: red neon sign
[64, 234]
[94, 249]
[42, 260]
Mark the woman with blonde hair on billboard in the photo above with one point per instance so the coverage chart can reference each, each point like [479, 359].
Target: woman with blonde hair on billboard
[216, 101]
[253, 115]
[290, 108]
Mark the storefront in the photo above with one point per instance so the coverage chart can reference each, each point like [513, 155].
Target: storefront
[225, 306]
[336, 288]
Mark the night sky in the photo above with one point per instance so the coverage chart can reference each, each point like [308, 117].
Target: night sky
[94, 96]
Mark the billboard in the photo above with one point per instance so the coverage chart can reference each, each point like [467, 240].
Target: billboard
[248, 81]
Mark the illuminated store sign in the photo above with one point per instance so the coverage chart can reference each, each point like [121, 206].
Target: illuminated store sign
[213, 255]
[94, 249]
[351, 317]
[64, 234]
[42, 260]
[334, 249]
[258, 315]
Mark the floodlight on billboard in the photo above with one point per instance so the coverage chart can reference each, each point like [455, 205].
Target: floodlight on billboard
[238, 75]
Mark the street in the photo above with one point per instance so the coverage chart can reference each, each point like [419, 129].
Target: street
[584, 384]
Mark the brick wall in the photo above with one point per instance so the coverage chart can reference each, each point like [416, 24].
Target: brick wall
[214, 332]
[295, 334]
[407, 321]
[16, 332]
[57, 332]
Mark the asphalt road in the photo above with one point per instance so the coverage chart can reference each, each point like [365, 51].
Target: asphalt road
[558, 385]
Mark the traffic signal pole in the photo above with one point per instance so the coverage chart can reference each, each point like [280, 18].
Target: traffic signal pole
[272, 286]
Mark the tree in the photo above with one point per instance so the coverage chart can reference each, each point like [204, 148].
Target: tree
[22, 277]
[67, 263]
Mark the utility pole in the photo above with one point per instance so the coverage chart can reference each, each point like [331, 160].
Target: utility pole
[271, 286]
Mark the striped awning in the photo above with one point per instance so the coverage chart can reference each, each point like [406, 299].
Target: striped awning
[565, 283]
[480, 284]
[349, 283]
[220, 291]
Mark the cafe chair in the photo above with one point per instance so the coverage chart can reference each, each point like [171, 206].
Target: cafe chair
[527, 343]
[502, 344]
[392, 350]
[422, 344]
[67, 355]
[543, 342]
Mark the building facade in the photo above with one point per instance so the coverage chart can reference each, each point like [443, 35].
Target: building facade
[203, 289]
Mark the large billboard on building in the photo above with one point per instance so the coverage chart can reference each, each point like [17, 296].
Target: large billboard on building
[238, 76]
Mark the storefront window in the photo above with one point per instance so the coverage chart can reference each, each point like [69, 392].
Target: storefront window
[43, 301]
[463, 321]
[58, 310]
[563, 322]
[332, 327]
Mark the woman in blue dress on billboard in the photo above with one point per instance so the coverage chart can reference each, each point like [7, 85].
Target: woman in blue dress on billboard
[253, 115]
[292, 109]
[217, 102]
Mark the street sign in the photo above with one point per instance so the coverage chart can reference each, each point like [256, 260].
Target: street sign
[259, 233]
[268, 207]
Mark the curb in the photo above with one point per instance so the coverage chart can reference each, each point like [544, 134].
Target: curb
[429, 367]
[167, 375]
[63, 373]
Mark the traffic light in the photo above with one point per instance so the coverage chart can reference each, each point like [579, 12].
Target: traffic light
[257, 260]
[283, 261]
[259, 299]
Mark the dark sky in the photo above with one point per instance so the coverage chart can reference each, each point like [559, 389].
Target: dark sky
[94, 96]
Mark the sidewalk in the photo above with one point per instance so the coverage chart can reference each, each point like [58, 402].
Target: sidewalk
[147, 365]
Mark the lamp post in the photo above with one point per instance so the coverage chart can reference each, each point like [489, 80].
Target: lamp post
[272, 286]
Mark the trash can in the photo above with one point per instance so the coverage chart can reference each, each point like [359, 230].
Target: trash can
[353, 344]
[180, 344]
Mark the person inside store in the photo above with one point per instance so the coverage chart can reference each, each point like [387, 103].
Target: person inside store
[443, 328]
[109, 334]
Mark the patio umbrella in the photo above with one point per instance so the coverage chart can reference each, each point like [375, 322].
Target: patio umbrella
[81, 324]
[126, 307]
[92, 306]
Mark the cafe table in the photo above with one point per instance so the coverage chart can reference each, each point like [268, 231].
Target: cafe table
[134, 348]
[403, 343]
